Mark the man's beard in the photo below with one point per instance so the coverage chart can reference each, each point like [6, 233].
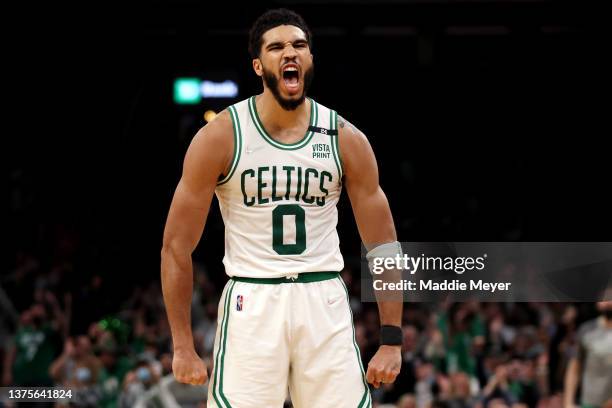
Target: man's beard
[287, 104]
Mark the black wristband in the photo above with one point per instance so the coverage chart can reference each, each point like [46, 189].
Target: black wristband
[391, 335]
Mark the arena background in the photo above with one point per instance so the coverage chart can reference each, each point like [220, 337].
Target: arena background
[483, 116]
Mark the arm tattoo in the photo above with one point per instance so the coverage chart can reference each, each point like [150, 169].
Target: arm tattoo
[343, 122]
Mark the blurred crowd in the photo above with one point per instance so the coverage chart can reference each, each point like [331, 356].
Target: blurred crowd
[117, 352]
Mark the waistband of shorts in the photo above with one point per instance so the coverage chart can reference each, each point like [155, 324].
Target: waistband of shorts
[305, 277]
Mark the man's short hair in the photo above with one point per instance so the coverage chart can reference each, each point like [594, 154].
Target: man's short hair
[271, 19]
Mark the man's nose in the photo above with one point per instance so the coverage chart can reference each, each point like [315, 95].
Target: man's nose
[289, 52]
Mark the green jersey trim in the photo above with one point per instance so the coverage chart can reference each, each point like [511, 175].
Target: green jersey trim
[333, 124]
[314, 111]
[305, 277]
[237, 145]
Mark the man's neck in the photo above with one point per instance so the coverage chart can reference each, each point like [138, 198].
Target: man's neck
[275, 117]
[603, 322]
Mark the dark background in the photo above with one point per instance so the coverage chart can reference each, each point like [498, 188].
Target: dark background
[482, 115]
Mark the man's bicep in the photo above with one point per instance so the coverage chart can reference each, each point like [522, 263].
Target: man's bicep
[360, 167]
[208, 156]
[205, 161]
[370, 205]
[187, 215]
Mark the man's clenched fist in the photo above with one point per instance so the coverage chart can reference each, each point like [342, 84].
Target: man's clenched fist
[188, 367]
[384, 366]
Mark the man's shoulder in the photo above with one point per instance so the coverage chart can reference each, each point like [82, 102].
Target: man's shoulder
[588, 327]
[216, 136]
[350, 137]
[219, 131]
[222, 122]
[346, 129]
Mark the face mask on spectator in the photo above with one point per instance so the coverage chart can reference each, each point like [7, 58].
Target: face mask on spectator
[143, 374]
[83, 374]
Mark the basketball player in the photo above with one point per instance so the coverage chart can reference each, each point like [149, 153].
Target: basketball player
[277, 162]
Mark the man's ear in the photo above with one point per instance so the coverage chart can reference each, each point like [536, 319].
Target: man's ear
[257, 66]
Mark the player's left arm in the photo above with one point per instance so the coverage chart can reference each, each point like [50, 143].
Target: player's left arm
[375, 224]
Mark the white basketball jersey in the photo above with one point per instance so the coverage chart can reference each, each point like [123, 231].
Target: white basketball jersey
[278, 201]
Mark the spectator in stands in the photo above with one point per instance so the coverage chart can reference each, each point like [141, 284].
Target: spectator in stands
[143, 377]
[591, 364]
[78, 368]
[113, 371]
[35, 345]
[460, 395]
[497, 391]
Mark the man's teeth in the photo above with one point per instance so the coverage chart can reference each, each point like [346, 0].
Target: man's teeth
[290, 69]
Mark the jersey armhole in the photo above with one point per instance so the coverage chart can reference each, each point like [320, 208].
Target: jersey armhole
[237, 145]
[333, 124]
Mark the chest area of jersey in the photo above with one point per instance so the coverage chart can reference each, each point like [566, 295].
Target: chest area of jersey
[272, 181]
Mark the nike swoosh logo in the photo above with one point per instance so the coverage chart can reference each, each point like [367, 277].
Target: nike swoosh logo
[251, 150]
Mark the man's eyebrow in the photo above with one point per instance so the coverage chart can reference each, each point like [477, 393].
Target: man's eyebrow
[278, 43]
[274, 44]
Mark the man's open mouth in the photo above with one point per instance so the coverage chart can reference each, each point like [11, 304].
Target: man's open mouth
[291, 78]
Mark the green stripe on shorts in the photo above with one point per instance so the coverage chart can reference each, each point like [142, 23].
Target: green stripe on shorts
[366, 395]
[219, 359]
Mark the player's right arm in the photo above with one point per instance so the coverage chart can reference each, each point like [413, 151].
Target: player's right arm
[207, 158]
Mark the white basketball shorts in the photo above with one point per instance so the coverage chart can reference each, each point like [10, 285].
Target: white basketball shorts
[281, 334]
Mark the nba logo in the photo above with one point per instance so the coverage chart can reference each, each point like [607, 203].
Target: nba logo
[239, 303]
